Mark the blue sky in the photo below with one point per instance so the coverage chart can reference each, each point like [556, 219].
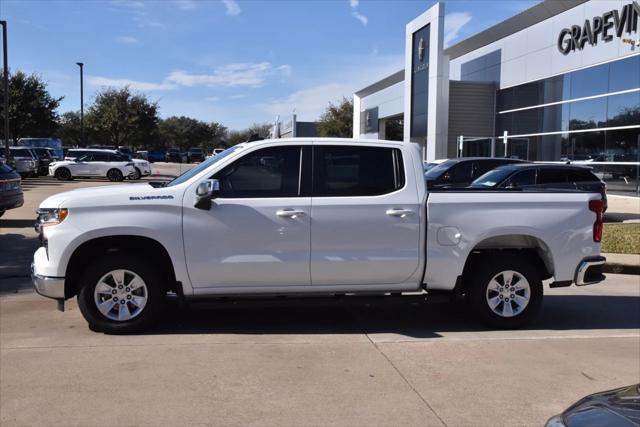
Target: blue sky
[235, 62]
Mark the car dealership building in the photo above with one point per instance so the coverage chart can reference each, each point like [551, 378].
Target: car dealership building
[559, 81]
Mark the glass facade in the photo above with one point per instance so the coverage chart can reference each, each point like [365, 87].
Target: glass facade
[585, 106]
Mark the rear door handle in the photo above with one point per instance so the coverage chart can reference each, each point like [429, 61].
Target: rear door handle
[289, 213]
[402, 213]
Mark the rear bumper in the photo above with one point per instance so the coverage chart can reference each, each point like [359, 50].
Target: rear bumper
[51, 287]
[589, 271]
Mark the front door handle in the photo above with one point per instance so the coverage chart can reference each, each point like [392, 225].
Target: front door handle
[402, 213]
[289, 213]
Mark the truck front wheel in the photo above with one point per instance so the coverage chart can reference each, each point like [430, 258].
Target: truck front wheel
[505, 290]
[121, 293]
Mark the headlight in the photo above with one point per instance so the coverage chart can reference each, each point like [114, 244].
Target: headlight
[32, 163]
[50, 216]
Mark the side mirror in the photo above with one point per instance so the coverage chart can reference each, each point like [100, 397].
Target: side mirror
[205, 192]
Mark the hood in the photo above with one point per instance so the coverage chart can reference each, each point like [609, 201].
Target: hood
[105, 196]
[619, 407]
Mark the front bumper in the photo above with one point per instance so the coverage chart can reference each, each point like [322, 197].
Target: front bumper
[590, 271]
[11, 201]
[51, 287]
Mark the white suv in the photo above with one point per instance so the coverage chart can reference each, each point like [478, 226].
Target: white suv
[96, 163]
[141, 166]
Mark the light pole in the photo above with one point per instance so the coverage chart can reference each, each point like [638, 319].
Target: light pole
[81, 65]
[6, 88]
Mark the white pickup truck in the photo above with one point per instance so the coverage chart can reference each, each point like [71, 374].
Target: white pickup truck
[311, 216]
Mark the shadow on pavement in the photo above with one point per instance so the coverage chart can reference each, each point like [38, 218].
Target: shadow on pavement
[17, 223]
[16, 253]
[407, 316]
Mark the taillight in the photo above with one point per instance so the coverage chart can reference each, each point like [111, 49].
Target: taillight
[597, 206]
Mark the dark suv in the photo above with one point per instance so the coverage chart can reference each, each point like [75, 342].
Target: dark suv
[456, 173]
[44, 155]
[543, 176]
[173, 155]
[195, 155]
[10, 190]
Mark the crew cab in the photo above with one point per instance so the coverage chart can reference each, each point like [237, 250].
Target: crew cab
[309, 216]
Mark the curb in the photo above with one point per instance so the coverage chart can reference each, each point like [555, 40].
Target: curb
[617, 268]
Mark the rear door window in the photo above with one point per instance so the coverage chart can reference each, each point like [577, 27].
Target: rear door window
[522, 179]
[344, 171]
[578, 175]
[550, 176]
[100, 157]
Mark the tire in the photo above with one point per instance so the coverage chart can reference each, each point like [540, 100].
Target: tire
[62, 174]
[115, 175]
[142, 305]
[524, 297]
[137, 175]
[2, 213]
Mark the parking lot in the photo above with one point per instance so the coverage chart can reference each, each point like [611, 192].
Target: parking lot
[302, 362]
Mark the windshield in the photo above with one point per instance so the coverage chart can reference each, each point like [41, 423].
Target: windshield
[202, 166]
[21, 152]
[492, 178]
[438, 169]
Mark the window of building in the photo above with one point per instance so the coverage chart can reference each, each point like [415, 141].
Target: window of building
[623, 109]
[585, 145]
[623, 145]
[269, 172]
[624, 74]
[356, 171]
[590, 81]
[588, 114]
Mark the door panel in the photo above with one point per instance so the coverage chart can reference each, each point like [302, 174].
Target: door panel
[360, 236]
[257, 233]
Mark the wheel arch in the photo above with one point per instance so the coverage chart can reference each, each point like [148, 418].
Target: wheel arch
[523, 244]
[89, 250]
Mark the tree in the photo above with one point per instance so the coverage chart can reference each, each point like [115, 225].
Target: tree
[69, 129]
[32, 110]
[337, 120]
[120, 117]
[254, 132]
[185, 132]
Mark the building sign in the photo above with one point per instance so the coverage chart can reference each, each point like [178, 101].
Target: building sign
[419, 81]
[604, 27]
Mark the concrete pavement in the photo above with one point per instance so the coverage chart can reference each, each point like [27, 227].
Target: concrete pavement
[317, 362]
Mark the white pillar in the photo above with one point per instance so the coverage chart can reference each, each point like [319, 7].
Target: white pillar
[356, 116]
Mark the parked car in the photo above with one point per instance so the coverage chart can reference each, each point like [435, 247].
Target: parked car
[537, 175]
[325, 216]
[142, 167]
[25, 161]
[125, 150]
[173, 155]
[195, 155]
[460, 172]
[619, 407]
[141, 154]
[157, 155]
[96, 163]
[11, 196]
[44, 159]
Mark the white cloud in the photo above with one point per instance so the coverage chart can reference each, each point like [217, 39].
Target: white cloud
[310, 102]
[232, 6]
[249, 74]
[453, 23]
[127, 40]
[238, 96]
[133, 84]
[354, 4]
[213, 98]
[185, 4]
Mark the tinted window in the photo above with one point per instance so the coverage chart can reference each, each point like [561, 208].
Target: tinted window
[492, 178]
[522, 178]
[552, 176]
[623, 109]
[435, 171]
[459, 173]
[356, 171]
[118, 158]
[77, 154]
[100, 157]
[20, 152]
[269, 172]
[580, 175]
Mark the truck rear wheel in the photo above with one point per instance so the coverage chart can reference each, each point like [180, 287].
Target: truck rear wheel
[505, 290]
[121, 293]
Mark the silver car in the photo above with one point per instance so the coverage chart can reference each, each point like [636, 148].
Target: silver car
[25, 161]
